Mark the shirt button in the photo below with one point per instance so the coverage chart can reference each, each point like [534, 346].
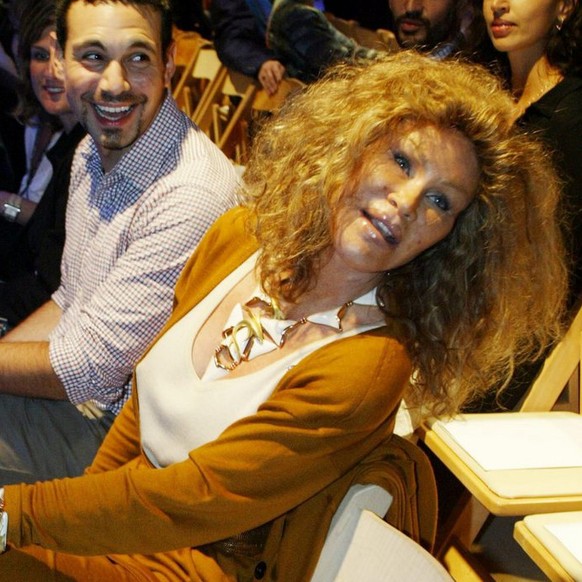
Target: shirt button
[260, 570]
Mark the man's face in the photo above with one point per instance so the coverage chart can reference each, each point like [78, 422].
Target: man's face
[115, 73]
[423, 23]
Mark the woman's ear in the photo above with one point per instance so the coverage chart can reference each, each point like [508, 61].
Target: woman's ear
[565, 8]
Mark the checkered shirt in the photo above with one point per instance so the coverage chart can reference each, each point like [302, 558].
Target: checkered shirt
[129, 233]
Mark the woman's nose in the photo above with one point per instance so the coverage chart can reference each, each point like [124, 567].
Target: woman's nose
[406, 200]
[498, 7]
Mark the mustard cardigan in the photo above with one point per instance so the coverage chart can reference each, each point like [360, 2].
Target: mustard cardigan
[327, 425]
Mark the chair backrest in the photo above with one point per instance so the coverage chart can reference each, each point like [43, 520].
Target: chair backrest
[346, 27]
[186, 43]
[561, 369]
[343, 525]
[225, 107]
[265, 103]
[380, 40]
[379, 552]
[233, 102]
[196, 77]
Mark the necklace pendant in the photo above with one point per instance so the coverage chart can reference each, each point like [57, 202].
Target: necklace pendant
[223, 359]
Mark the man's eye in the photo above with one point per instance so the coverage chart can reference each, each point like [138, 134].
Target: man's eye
[402, 161]
[139, 59]
[91, 57]
[440, 201]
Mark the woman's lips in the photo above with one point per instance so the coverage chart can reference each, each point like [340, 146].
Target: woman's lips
[54, 89]
[382, 227]
[500, 28]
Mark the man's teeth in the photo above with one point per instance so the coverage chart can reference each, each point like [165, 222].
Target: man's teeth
[110, 112]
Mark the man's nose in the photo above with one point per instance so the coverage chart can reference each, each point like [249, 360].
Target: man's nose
[414, 5]
[114, 80]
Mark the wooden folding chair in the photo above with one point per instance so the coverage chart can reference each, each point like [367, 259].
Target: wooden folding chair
[224, 112]
[377, 551]
[196, 78]
[510, 492]
[261, 107]
[553, 542]
[265, 103]
[380, 40]
[233, 104]
[346, 27]
[187, 44]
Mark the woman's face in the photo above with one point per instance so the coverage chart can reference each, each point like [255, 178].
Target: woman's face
[521, 25]
[47, 85]
[410, 192]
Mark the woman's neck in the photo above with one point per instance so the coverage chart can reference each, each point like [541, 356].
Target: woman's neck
[68, 121]
[334, 288]
[532, 76]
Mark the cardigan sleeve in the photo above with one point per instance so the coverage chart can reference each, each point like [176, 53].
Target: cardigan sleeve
[121, 444]
[325, 416]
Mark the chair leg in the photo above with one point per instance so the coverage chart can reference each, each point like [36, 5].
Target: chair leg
[464, 524]
[462, 565]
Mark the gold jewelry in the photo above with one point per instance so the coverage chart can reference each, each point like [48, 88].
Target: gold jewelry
[261, 328]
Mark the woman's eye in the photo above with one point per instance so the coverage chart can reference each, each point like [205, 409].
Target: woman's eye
[440, 201]
[402, 161]
[39, 55]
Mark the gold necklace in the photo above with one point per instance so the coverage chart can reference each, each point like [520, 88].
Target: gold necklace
[262, 328]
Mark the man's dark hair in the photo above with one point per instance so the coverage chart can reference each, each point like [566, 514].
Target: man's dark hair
[161, 6]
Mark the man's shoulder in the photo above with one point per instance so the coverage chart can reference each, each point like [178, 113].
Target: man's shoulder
[180, 148]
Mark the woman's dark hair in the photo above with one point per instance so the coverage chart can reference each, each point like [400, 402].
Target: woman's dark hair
[32, 24]
[564, 50]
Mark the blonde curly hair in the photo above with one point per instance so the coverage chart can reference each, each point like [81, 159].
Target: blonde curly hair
[487, 297]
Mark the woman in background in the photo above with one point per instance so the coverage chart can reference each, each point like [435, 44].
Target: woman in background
[32, 231]
[543, 44]
[394, 221]
[43, 109]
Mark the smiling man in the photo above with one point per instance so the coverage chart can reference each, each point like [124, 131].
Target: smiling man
[145, 185]
[116, 70]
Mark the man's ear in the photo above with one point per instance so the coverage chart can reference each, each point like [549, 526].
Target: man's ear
[170, 65]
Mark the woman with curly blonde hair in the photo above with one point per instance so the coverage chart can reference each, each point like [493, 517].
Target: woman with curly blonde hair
[395, 223]
[478, 302]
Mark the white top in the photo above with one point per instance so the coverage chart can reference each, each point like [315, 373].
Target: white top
[179, 411]
[44, 172]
